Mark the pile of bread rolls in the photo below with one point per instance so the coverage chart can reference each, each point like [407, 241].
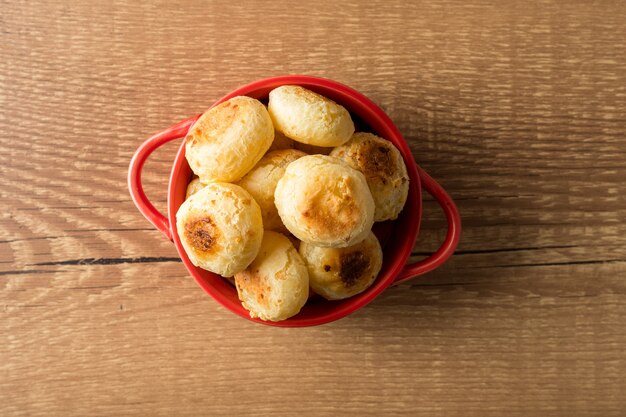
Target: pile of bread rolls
[284, 199]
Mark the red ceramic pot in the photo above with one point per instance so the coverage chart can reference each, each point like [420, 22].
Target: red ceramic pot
[397, 237]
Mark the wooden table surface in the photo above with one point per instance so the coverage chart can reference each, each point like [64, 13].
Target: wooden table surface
[517, 108]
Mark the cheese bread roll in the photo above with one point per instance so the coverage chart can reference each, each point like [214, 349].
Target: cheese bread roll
[382, 164]
[337, 273]
[193, 187]
[227, 140]
[281, 142]
[308, 117]
[220, 228]
[276, 284]
[325, 202]
[261, 183]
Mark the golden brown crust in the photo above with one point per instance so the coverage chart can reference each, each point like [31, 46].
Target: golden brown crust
[327, 214]
[352, 266]
[309, 96]
[253, 282]
[374, 159]
[209, 129]
[202, 234]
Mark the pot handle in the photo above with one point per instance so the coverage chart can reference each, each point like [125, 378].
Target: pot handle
[142, 153]
[452, 238]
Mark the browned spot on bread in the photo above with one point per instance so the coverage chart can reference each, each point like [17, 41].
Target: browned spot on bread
[194, 134]
[329, 218]
[333, 210]
[213, 123]
[308, 95]
[375, 160]
[352, 267]
[255, 284]
[326, 268]
[221, 118]
[202, 234]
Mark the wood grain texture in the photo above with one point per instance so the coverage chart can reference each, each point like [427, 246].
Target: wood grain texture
[517, 108]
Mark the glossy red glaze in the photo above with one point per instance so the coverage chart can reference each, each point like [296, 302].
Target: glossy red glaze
[398, 236]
